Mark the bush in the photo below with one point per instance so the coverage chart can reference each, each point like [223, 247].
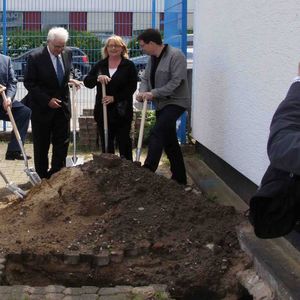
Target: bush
[134, 48]
[19, 42]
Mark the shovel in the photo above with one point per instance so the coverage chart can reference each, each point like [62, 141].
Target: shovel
[74, 160]
[30, 172]
[13, 187]
[141, 133]
[105, 124]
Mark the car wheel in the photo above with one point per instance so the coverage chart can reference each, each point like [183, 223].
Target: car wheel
[140, 73]
[77, 73]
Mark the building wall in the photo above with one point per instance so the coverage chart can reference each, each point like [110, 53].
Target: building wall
[245, 55]
[103, 22]
[84, 5]
[103, 16]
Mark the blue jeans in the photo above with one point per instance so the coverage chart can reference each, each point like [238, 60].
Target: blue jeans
[21, 114]
[163, 137]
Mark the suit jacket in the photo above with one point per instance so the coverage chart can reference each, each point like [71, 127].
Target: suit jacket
[171, 86]
[42, 84]
[122, 86]
[7, 77]
[284, 139]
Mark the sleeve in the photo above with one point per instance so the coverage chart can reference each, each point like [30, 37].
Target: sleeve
[32, 83]
[90, 80]
[178, 69]
[11, 85]
[283, 151]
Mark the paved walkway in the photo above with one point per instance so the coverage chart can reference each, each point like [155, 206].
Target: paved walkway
[14, 169]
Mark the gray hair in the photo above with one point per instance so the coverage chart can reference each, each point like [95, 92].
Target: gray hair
[58, 32]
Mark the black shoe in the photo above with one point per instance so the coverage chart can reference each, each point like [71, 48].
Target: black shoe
[12, 155]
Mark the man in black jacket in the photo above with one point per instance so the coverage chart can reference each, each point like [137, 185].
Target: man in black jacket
[275, 207]
[46, 79]
[284, 139]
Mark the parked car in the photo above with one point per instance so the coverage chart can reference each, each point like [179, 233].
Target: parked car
[141, 61]
[140, 64]
[80, 63]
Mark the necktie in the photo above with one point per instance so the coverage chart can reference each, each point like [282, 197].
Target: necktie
[59, 71]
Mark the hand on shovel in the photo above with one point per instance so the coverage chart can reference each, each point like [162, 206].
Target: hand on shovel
[103, 79]
[6, 100]
[75, 82]
[144, 96]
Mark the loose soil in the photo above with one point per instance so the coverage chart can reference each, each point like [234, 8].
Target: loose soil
[189, 242]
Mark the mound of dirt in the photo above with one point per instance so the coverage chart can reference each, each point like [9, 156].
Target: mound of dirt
[110, 203]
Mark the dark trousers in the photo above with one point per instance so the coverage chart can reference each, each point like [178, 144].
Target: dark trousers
[163, 137]
[118, 133]
[56, 132]
[21, 114]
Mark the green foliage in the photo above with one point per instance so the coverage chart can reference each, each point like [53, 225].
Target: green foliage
[87, 42]
[149, 122]
[19, 42]
[134, 48]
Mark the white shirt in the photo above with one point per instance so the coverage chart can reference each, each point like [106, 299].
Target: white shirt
[53, 58]
[112, 71]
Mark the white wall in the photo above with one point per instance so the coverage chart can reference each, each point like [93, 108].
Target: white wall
[245, 55]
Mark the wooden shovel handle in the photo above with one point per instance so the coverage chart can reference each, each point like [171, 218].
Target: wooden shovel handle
[10, 115]
[142, 125]
[104, 107]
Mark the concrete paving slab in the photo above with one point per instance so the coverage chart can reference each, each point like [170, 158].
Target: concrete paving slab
[14, 169]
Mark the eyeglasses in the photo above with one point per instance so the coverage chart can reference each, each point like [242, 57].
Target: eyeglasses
[114, 46]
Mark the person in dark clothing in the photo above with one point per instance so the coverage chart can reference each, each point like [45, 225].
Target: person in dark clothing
[284, 139]
[20, 112]
[119, 75]
[275, 206]
[46, 78]
[165, 83]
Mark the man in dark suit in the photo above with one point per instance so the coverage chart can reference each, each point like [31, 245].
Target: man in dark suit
[275, 207]
[46, 79]
[284, 138]
[20, 112]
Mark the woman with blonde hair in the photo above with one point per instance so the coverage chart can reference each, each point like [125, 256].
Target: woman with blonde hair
[119, 75]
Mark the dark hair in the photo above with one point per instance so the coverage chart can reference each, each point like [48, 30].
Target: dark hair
[150, 35]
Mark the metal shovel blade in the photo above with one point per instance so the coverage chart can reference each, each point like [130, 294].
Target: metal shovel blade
[74, 161]
[33, 176]
[13, 187]
[16, 190]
